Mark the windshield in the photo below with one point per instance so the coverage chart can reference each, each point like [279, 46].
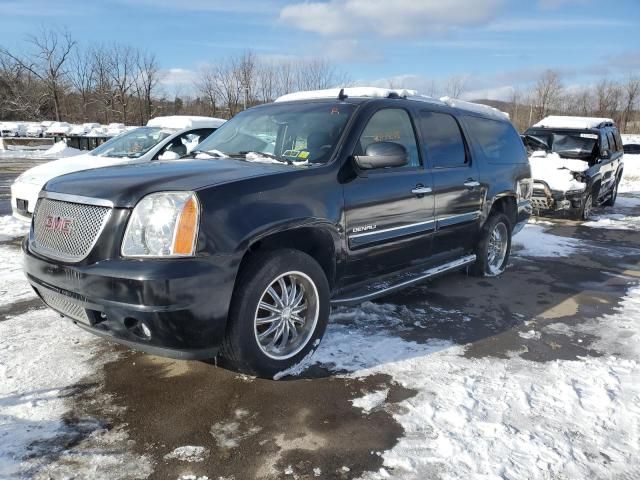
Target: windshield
[581, 145]
[132, 144]
[288, 133]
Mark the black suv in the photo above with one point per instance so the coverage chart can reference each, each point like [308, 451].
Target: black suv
[287, 209]
[580, 166]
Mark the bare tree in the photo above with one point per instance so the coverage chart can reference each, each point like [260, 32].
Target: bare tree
[146, 81]
[47, 61]
[103, 82]
[122, 68]
[631, 96]
[208, 88]
[456, 86]
[547, 93]
[82, 77]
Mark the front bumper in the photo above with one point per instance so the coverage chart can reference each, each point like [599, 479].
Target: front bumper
[546, 200]
[170, 307]
[24, 192]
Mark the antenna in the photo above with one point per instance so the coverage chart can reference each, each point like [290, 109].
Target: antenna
[342, 95]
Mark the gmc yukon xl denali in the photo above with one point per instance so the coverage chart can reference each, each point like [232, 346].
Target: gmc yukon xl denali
[321, 198]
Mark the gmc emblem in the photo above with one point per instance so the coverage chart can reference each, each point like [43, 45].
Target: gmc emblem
[59, 224]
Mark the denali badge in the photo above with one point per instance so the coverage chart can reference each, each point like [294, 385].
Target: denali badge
[364, 228]
[59, 224]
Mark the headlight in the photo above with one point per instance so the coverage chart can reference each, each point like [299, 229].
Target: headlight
[163, 224]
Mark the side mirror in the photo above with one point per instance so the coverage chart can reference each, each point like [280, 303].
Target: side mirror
[169, 155]
[381, 155]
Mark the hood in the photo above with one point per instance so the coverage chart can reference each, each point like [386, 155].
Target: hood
[125, 185]
[557, 172]
[41, 174]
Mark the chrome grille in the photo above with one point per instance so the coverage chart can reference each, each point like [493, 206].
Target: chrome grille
[64, 305]
[74, 243]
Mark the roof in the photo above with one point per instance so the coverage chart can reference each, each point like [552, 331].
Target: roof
[183, 122]
[578, 123]
[368, 92]
[375, 92]
[475, 107]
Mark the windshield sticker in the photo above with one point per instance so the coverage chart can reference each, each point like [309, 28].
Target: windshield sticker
[291, 153]
[303, 155]
[335, 111]
[589, 135]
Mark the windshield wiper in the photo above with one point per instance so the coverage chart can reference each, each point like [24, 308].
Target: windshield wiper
[257, 155]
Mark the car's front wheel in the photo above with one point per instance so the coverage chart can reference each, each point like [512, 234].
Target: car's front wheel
[492, 252]
[279, 312]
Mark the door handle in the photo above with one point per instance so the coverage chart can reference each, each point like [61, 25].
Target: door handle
[471, 183]
[421, 190]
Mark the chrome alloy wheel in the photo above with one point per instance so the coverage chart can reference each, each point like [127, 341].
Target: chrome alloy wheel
[498, 243]
[588, 205]
[286, 315]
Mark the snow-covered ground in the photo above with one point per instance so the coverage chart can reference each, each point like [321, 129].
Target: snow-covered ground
[470, 418]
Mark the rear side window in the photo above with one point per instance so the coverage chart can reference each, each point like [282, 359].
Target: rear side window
[604, 142]
[612, 141]
[443, 140]
[497, 141]
[391, 125]
[616, 134]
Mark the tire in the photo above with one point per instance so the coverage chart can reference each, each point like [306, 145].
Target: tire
[491, 262]
[243, 347]
[584, 212]
[611, 201]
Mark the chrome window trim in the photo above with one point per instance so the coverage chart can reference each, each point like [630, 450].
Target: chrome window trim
[67, 197]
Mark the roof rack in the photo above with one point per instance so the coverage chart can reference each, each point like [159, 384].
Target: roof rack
[343, 93]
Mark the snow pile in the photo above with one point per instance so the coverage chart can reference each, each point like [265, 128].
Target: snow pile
[188, 453]
[534, 241]
[631, 175]
[555, 171]
[500, 418]
[13, 284]
[11, 227]
[578, 123]
[60, 150]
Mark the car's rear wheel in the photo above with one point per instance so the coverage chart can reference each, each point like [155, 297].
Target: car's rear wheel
[279, 312]
[611, 201]
[492, 252]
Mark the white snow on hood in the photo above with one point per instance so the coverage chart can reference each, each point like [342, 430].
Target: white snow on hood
[41, 174]
[556, 171]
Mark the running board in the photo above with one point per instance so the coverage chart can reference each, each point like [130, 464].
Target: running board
[398, 282]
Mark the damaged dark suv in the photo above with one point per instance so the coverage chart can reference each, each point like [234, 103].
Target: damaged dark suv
[576, 164]
[322, 198]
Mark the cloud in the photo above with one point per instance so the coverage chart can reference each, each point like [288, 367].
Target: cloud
[172, 77]
[554, 4]
[541, 24]
[404, 18]
[244, 6]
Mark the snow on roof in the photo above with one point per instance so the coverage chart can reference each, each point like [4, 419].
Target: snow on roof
[557, 121]
[182, 122]
[373, 92]
[475, 107]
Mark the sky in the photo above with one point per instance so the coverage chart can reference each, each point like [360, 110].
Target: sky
[496, 46]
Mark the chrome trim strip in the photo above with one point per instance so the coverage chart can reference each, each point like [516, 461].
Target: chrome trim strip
[460, 218]
[461, 262]
[392, 229]
[66, 197]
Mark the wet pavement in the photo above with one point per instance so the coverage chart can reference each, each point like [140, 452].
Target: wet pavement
[302, 425]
